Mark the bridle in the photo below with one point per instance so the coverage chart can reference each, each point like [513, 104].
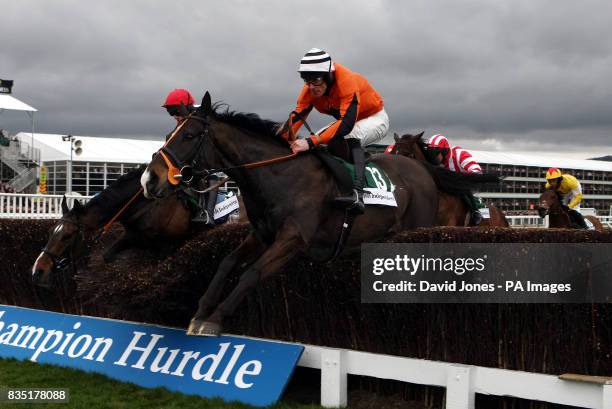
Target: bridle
[556, 209]
[61, 262]
[180, 171]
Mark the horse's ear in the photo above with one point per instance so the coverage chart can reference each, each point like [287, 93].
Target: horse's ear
[206, 103]
[64, 206]
[77, 207]
[396, 137]
[420, 136]
[183, 111]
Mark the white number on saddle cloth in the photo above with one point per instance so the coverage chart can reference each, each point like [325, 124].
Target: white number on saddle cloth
[378, 178]
[485, 213]
[378, 197]
[226, 207]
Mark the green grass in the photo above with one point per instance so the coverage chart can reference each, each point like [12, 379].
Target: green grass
[92, 391]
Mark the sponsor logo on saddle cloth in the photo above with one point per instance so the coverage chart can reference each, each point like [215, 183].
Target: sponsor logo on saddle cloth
[226, 207]
[378, 189]
[590, 225]
[483, 209]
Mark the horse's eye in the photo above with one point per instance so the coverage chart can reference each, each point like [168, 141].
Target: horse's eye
[189, 135]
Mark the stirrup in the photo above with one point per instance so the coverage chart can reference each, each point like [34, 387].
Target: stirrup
[476, 218]
[353, 203]
[204, 218]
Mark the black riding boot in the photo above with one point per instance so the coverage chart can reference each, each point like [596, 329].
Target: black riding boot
[578, 218]
[211, 202]
[354, 202]
[475, 218]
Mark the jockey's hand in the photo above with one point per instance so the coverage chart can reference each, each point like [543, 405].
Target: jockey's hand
[299, 145]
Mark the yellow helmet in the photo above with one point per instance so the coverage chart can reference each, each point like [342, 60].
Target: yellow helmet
[553, 173]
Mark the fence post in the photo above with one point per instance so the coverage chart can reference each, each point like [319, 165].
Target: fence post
[459, 389]
[607, 396]
[333, 378]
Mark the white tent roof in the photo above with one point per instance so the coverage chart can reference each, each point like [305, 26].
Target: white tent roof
[540, 161]
[95, 149]
[10, 102]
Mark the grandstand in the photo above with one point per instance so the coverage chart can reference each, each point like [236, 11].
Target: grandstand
[104, 159]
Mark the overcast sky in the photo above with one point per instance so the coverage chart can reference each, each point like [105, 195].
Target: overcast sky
[520, 75]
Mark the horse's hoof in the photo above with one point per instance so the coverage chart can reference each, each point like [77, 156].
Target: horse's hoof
[204, 328]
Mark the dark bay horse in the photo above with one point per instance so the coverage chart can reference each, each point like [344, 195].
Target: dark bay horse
[452, 211]
[144, 220]
[558, 216]
[290, 204]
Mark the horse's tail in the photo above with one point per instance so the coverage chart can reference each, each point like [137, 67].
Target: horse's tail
[455, 183]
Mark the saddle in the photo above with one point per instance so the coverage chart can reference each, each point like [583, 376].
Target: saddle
[343, 172]
[335, 165]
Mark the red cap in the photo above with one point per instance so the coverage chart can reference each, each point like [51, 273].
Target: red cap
[178, 96]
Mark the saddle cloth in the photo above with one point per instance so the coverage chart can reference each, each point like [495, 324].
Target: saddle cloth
[378, 189]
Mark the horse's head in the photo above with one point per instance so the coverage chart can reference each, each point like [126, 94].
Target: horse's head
[548, 202]
[175, 162]
[64, 244]
[409, 145]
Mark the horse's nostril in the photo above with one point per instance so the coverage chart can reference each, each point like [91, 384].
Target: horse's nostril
[152, 182]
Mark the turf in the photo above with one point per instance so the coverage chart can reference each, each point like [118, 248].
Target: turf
[93, 391]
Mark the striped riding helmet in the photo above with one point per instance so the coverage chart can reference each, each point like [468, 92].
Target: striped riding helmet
[316, 63]
[438, 141]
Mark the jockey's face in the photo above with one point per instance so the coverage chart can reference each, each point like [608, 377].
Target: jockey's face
[555, 183]
[317, 87]
[439, 158]
[174, 112]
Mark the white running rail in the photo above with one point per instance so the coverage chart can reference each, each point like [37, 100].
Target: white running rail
[462, 382]
[33, 206]
[37, 206]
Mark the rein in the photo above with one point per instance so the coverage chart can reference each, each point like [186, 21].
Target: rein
[176, 175]
[272, 161]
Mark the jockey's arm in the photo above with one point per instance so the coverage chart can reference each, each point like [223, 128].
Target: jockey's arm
[576, 197]
[467, 162]
[349, 109]
[303, 107]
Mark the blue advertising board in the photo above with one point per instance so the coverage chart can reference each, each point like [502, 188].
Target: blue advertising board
[232, 368]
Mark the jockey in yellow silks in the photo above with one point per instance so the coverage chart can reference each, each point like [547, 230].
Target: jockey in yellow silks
[569, 190]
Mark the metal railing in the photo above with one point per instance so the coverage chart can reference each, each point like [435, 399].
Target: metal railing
[16, 156]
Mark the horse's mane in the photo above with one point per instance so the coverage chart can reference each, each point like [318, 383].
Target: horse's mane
[111, 197]
[248, 121]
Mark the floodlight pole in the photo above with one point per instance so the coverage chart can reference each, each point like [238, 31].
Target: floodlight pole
[69, 138]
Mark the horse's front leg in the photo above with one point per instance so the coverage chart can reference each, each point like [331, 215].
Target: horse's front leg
[284, 248]
[246, 253]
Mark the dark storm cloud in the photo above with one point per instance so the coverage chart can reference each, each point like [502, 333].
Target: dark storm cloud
[513, 71]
